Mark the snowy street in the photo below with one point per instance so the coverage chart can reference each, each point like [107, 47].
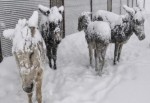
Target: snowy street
[76, 82]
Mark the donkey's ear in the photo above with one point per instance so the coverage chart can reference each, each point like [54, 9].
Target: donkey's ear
[44, 10]
[86, 13]
[140, 4]
[61, 9]
[129, 10]
[9, 33]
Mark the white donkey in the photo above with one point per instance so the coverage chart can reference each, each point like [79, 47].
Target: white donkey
[130, 23]
[29, 51]
[98, 36]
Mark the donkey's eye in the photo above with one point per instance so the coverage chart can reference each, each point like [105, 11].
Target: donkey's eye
[31, 55]
[137, 22]
[59, 22]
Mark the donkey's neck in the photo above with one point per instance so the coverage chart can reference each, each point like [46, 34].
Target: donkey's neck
[126, 29]
[128, 25]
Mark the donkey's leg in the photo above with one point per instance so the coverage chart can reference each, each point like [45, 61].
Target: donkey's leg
[96, 60]
[101, 56]
[103, 53]
[90, 54]
[119, 52]
[39, 86]
[116, 53]
[30, 98]
[54, 51]
[49, 55]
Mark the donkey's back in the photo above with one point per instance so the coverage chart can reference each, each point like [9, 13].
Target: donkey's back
[112, 18]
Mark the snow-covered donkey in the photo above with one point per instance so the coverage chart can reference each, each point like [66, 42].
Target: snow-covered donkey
[29, 51]
[130, 23]
[50, 29]
[98, 35]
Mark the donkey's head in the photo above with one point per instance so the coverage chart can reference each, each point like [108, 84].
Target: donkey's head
[28, 58]
[54, 19]
[27, 72]
[84, 20]
[25, 37]
[136, 15]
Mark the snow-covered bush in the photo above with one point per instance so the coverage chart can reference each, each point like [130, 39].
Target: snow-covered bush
[98, 35]
[29, 51]
[50, 26]
[123, 26]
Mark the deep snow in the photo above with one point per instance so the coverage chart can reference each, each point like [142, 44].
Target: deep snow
[76, 82]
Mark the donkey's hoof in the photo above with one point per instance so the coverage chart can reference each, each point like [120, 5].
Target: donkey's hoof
[50, 65]
[54, 67]
[115, 62]
[99, 74]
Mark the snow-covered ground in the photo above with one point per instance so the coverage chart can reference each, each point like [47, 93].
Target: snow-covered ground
[76, 82]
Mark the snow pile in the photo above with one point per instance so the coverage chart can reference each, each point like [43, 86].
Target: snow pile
[21, 36]
[76, 82]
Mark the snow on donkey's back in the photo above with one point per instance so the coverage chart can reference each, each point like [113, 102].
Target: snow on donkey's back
[29, 51]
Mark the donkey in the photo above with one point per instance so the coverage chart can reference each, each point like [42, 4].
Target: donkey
[98, 35]
[131, 22]
[50, 29]
[29, 51]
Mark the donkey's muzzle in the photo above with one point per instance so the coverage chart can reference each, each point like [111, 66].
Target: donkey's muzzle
[28, 89]
[142, 37]
[58, 41]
